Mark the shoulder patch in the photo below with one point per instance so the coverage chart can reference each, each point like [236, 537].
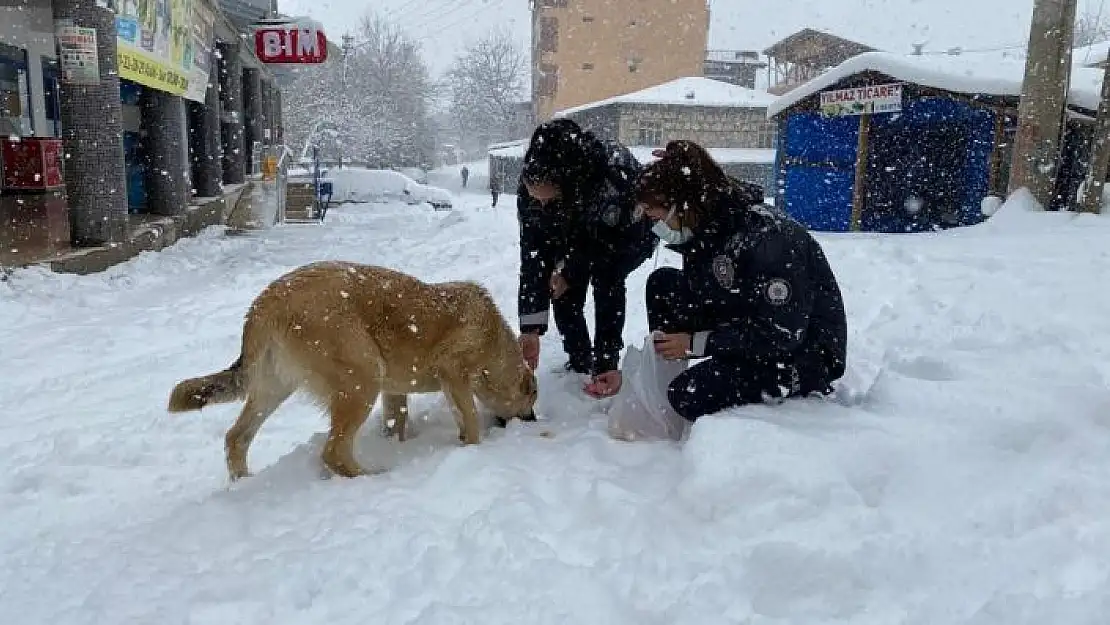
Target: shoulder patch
[724, 270]
[777, 292]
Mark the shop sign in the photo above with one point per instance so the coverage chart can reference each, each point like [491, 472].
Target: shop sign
[862, 100]
[290, 43]
[77, 55]
[165, 45]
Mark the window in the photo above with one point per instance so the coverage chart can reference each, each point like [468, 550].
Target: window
[549, 34]
[650, 134]
[587, 18]
[553, 4]
[548, 82]
[15, 93]
[589, 67]
[50, 96]
[634, 64]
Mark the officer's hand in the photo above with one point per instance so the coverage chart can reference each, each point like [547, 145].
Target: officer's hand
[558, 285]
[530, 345]
[604, 385]
[673, 346]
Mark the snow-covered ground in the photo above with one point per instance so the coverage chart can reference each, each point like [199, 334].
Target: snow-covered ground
[964, 479]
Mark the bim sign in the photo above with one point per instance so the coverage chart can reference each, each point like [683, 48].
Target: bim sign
[290, 43]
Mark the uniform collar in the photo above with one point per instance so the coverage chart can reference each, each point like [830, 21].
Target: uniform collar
[711, 235]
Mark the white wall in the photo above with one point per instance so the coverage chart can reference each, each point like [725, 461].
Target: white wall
[31, 26]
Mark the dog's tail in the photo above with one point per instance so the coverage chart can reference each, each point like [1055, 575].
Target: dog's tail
[195, 393]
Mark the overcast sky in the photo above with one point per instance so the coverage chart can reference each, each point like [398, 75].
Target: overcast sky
[445, 26]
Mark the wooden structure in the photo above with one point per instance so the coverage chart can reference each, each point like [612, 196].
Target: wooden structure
[805, 54]
[923, 161]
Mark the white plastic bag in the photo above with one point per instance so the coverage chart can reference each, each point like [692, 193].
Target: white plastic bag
[641, 410]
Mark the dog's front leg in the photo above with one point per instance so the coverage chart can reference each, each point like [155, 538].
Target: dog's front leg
[395, 414]
[466, 413]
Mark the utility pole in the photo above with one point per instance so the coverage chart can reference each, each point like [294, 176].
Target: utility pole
[1090, 201]
[1043, 99]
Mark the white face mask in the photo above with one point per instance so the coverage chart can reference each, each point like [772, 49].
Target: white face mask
[669, 235]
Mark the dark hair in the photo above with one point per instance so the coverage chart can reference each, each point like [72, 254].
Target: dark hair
[687, 180]
[562, 154]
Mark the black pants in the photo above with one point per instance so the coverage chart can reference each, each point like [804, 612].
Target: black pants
[610, 298]
[715, 383]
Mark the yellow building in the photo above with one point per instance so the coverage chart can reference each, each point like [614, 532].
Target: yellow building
[589, 50]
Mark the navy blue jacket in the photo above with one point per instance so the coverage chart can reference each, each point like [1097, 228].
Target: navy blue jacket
[767, 293]
[596, 231]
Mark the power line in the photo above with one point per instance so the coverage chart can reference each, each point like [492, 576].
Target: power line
[490, 5]
[438, 12]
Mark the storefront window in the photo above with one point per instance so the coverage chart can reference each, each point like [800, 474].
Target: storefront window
[15, 96]
[50, 97]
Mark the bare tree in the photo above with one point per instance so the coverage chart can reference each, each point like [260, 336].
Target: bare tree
[485, 84]
[1092, 28]
[371, 105]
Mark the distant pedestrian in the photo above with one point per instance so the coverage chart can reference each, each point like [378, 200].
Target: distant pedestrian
[495, 184]
[465, 172]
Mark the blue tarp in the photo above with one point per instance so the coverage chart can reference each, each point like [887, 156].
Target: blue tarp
[932, 143]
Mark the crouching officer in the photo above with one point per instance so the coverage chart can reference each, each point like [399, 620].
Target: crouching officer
[755, 295]
[575, 204]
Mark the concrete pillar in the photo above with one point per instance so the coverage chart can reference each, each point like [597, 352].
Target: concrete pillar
[252, 112]
[278, 121]
[267, 97]
[231, 113]
[205, 144]
[92, 131]
[167, 175]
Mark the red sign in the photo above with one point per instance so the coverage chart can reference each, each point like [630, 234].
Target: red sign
[290, 44]
[32, 164]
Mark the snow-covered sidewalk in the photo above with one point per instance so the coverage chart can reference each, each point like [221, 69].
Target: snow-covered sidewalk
[966, 481]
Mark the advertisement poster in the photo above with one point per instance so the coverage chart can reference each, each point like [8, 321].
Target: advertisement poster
[78, 59]
[203, 27]
[158, 44]
[861, 100]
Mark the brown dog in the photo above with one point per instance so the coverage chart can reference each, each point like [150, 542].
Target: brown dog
[347, 333]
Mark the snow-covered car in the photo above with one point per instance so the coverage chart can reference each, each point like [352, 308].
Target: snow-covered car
[352, 184]
[417, 174]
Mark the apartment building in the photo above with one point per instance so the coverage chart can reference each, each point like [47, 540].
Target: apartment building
[589, 50]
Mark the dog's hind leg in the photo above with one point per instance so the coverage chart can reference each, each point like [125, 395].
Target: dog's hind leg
[262, 400]
[349, 410]
[395, 413]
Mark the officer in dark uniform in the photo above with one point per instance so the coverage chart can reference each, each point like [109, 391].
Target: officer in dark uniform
[575, 204]
[755, 295]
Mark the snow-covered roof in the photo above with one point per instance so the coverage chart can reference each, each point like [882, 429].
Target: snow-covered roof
[692, 91]
[1089, 56]
[725, 156]
[958, 74]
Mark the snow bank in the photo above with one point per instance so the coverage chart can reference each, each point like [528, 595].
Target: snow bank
[958, 74]
[958, 478]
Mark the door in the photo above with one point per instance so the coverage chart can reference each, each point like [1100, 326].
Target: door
[916, 176]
